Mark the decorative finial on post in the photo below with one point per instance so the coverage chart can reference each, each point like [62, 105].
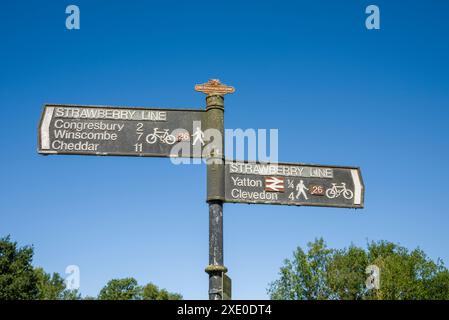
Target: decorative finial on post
[214, 87]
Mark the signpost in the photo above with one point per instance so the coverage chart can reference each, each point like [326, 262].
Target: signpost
[293, 184]
[215, 186]
[153, 132]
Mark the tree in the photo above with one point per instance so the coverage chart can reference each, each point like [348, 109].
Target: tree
[128, 289]
[152, 292]
[53, 287]
[346, 275]
[20, 280]
[121, 289]
[407, 274]
[303, 278]
[17, 277]
[323, 273]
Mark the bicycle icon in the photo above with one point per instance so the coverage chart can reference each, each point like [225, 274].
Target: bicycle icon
[161, 135]
[336, 191]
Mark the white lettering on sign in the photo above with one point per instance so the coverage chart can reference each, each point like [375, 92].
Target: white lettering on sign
[246, 182]
[80, 126]
[281, 170]
[154, 115]
[71, 146]
[113, 114]
[253, 195]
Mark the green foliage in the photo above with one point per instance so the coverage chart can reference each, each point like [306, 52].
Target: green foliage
[121, 289]
[17, 278]
[128, 289]
[174, 296]
[323, 273]
[345, 274]
[152, 292]
[303, 277]
[53, 287]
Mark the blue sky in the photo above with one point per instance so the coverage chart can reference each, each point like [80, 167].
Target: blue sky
[338, 93]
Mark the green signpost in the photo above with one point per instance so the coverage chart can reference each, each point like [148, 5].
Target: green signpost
[155, 132]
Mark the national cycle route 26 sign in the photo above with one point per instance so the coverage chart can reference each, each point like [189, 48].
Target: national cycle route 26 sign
[102, 130]
[293, 184]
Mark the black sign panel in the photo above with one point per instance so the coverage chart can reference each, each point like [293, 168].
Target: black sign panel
[100, 130]
[293, 184]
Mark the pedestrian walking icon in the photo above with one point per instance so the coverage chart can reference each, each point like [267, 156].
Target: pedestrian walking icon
[198, 135]
[301, 190]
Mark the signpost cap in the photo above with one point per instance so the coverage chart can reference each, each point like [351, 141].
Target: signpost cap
[214, 87]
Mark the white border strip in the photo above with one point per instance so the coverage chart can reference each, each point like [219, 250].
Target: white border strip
[357, 186]
[45, 128]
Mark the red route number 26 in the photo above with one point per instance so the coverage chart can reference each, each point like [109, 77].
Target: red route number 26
[317, 190]
[185, 136]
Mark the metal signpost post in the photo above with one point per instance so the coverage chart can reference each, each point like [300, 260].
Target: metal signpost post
[226, 288]
[154, 132]
[215, 185]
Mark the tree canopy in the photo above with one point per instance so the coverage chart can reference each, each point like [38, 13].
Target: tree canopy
[19, 280]
[128, 289]
[53, 287]
[121, 289]
[152, 292]
[17, 277]
[324, 273]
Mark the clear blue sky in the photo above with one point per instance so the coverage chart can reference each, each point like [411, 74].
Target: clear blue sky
[338, 93]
